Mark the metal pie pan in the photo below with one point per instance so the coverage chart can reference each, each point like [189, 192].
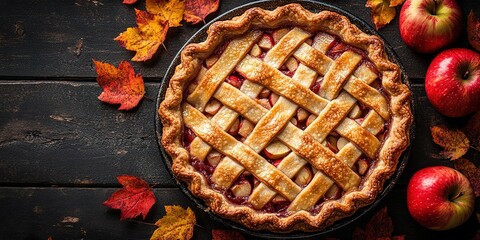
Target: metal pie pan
[200, 36]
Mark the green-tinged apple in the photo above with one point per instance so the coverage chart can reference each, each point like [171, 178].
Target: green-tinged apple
[440, 198]
[429, 25]
[452, 82]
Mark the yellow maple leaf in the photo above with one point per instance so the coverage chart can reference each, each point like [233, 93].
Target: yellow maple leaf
[382, 12]
[170, 11]
[454, 142]
[176, 224]
[146, 38]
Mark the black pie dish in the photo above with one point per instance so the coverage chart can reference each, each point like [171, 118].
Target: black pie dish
[200, 36]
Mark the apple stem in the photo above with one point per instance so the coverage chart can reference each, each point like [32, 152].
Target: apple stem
[465, 74]
[457, 196]
[434, 6]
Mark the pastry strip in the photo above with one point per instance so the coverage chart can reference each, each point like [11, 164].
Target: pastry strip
[338, 74]
[228, 145]
[233, 54]
[285, 47]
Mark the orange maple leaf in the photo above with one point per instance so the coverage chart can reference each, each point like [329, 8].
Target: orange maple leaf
[146, 38]
[454, 142]
[473, 30]
[383, 11]
[170, 11]
[134, 199]
[178, 223]
[120, 85]
[197, 10]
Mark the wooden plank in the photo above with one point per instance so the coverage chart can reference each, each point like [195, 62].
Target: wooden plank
[78, 213]
[60, 38]
[60, 133]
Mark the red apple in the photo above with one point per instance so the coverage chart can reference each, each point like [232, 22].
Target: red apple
[276, 150]
[452, 82]
[429, 25]
[440, 198]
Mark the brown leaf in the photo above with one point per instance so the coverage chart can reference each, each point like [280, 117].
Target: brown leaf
[178, 223]
[472, 129]
[382, 12]
[454, 142]
[473, 30]
[135, 198]
[220, 234]
[197, 10]
[472, 172]
[170, 11]
[379, 227]
[120, 86]
[146, 38]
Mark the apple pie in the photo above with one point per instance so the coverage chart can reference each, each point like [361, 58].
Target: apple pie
[286, 120]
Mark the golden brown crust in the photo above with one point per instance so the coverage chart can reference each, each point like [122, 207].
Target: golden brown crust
[289, 15]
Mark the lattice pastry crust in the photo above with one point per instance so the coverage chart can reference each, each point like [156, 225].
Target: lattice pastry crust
[346, 81]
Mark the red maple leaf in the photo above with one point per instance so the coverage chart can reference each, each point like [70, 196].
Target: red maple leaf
[222, 234]
[197, 10]
[120, 86]
[129, 1]
[135, 198]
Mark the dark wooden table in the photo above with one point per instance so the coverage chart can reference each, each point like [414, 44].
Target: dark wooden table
[61, 148]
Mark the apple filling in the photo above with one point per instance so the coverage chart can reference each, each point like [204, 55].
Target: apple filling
[275, 151]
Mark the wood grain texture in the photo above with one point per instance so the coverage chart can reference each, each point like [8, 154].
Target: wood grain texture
[57, 133]
[60, 38]
[78, 213]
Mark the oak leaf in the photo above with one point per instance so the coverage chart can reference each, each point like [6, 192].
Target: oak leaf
[170, 11]
[221, 234]
[120, 85]
[198, 10]
[472, 129]
[472, 172]
[473, 30]
[382, 12]
[135, 198]
[454, 142]
[146, 38]
[178, 223]
[379, 227]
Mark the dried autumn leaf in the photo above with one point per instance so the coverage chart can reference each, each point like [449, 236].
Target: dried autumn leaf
[472, 172]
[146, 38]
[198, 10]
[379, 227]
[178, 223]
[473, 30]
[454, 142]
[472, 129]
[394, 3]
[129, 1]
[220, 234]
[170, 11]
[135, 198]
[382, 13]
[120, 86]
